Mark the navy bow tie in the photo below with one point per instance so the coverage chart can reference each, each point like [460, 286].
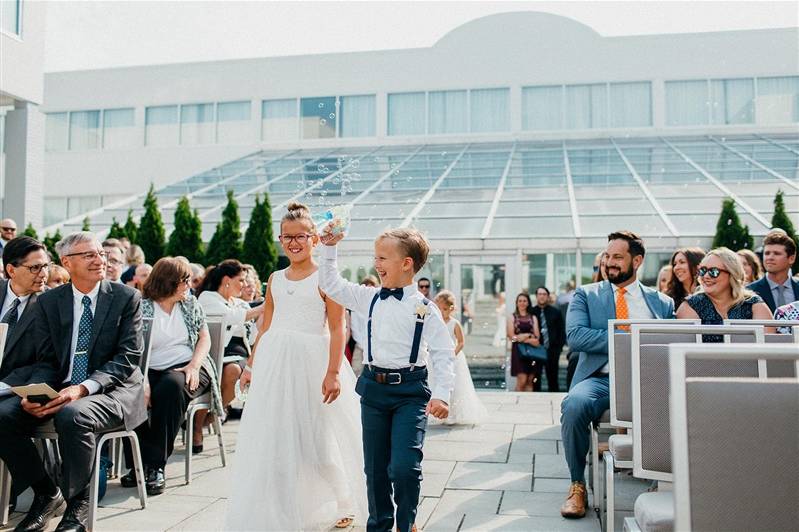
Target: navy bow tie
[385, 293]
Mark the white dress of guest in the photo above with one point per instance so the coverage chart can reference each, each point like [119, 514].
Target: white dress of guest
[465, 407]
[299, 462]
[233, 315]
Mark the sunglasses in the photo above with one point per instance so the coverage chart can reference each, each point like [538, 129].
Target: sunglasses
[8, 228]
[424, 286]
[713, 272]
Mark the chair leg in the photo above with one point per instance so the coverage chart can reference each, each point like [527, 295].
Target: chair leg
[189, 442]
[594, 464]
[609, 518]
[94, 492]
[218, 429]
[5, 492]
[139, 467]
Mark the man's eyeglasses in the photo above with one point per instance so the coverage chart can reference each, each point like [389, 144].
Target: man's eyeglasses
[35, 269]
[8, 228]
[115, 262]
[89, 255]
[300, 239]
[713, 272]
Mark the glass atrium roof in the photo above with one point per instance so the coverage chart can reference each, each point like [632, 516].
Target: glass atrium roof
[506, 194]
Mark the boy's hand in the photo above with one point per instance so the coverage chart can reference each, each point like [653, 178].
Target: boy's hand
[328, 238]
[437, 408]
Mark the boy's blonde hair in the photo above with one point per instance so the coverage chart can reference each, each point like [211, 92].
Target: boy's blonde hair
[412, 243]
[447, 297]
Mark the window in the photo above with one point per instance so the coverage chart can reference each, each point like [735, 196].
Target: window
[57, 132]
[119, 129]
[490, 110]
[447, 112]
[542, 108]
[406, 113]
[233, 122]
[197, 124]
[686, 103]
[9, 16]
[84, 130]
[319, 117]
[630, 104]
[357, 115]
[732, 101]
[586, 106]
[161, 125]
[778, 100]
[279, 120]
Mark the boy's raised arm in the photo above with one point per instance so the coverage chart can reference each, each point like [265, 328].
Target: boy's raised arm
[349, 295]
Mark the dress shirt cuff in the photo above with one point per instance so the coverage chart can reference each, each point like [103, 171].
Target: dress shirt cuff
[440, 393]
[5, 389]
[92, 386]
[329, 252]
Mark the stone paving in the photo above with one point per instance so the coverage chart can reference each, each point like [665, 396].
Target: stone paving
[506, 474]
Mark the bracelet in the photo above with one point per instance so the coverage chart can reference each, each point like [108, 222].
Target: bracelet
[247, 368]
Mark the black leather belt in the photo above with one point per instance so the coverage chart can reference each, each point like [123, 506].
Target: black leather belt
[394, 376]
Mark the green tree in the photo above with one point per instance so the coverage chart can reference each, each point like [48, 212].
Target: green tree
[259, 239]
[186, 238]
[131, 229]
[116, 230]
[30, 231]
[781, 220]
[50, 242]
[730, 232]
[86, 226]
[151, 234]
[226, 242]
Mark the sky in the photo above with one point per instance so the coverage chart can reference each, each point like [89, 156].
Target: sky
[102, 34]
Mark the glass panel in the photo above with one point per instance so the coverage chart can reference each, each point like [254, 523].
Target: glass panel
[644, 225]
[406, 114]
[358, 116]
[484, 309]
[542, 108]
[630, 104]
[84, 130]
[778, 100]
[686, 103]
[119, 128]
[447, 112]
[534, 272]
[565, 275]
[161, 125]
[319, 117]
[732, 101]
[197, 124]
[587, 267]
[490, 110]
[279, 120]
[57, 131]
[9, 16]
[529, 227]
[586, 106]
[55, 210]
[233, 122]
[648, 272]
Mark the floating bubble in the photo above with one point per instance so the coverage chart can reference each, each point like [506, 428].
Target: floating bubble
[336, 180]
[322, 121]
[321, 105]
[729, 221]
[321, 168]
[356, 163]
[331, 116]
[324, 193]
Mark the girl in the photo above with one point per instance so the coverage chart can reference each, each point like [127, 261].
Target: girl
[465, 407]
[299, 458]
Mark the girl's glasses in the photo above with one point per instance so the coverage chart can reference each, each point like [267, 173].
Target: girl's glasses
[713, 272]
[300, 239]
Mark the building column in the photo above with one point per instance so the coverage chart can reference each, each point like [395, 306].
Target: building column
[24, 172]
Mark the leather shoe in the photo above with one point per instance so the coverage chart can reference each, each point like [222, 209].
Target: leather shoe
[128, 480]
[42, 510]
[576, 502]
[155, 481]
[77, 514]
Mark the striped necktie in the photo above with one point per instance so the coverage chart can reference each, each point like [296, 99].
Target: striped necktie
[12, 316]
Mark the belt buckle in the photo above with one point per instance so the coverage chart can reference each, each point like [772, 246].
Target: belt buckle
[389, 378]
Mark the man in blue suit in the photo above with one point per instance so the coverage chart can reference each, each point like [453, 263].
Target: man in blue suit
[777, 287]
[622, 296]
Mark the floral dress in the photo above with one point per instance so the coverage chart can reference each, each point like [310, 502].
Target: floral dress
[704, 308]
[787, 312]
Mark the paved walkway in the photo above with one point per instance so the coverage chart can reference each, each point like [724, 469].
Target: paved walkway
[506, 474]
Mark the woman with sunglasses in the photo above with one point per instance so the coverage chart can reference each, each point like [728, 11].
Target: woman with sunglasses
[722, 294]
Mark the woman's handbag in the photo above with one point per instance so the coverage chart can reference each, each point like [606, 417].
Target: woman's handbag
[532, 352]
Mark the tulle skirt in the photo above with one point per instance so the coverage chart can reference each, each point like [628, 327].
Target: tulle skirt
[299, 462]
[465, 407]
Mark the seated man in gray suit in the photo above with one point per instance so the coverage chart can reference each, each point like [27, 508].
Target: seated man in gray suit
[622, 296]
[90, 330]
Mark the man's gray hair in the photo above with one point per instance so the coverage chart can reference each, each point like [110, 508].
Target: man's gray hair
[65, 245]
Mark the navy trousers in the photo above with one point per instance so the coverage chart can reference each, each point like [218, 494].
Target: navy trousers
[394, 424]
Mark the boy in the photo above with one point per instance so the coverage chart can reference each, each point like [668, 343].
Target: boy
[395, 398]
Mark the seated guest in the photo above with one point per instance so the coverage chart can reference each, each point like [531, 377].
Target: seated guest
[622, 296]
[251, 293]
[197, 276]
[58, 276]
[133, 257]
[115, 259]
[664, 277]
[220, 297]
[142, 272]
[753, 268]
[180, 368]
[684, 265]
[722, 294]
[777, 288]
[789, 312]
[90, 331]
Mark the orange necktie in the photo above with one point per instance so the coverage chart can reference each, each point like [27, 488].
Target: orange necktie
[622, 312]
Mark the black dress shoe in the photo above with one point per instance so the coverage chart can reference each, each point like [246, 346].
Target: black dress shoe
[76, 516]
[155, 481]
[43, 508]
[129, 480]
[196, 449]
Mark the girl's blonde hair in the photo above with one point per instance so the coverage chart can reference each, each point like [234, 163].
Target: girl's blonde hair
[736, 273]
[447, 297]
[298, 212]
